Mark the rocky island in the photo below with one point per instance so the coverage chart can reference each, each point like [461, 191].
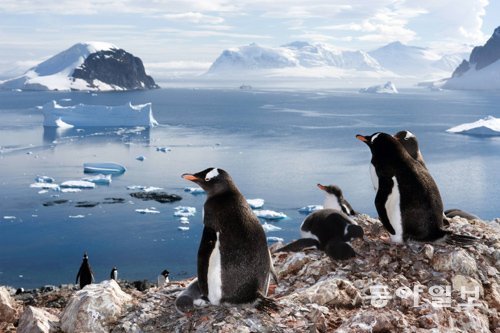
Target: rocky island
[415, 287]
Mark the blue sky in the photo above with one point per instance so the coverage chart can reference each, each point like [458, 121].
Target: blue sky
[190, 34]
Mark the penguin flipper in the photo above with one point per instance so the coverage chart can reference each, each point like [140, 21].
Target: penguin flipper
[384, 189]
[339, 250]
[299, 245]
[186, 299]
[460, 240]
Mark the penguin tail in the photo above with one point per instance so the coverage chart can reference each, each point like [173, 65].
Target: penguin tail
[339, 250]
[299, 245]
[266, 304]
[459, 240]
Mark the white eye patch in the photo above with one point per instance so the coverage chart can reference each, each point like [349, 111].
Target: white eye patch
[212, 174]
[409, 135]
[374, 137]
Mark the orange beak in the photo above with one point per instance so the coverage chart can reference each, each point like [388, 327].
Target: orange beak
[190, 177]
[321, 187]
[361, 138]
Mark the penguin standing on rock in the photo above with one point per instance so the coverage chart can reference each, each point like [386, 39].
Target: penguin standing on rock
[114, 274]
[234, 263]
[329, 229]
[85, 274]
[408, 200]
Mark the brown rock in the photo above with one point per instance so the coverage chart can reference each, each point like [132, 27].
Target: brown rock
[36, 320]
[8, 307]
[333, 291]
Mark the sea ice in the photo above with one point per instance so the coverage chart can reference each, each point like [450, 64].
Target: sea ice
[486, 126]
[184, 220]
[82, 115]
[42, 191]
[184, 211]
[147, 211]
[182, 228]
[8, 217]
[310, 208]
[99, 179]
[274, 239]
[71, 190]
[76, 216]
[163, 149]
[77, 184]
[44, 179]
[144, 188]
[270, 227]
[45, 186]
[256, 203]
[62, 125]
[270, 214]
[194, 190]
[104, 168]
[140, 158]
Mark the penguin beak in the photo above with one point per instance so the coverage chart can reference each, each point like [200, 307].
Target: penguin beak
[321, 187]
[362, 138]
[190, 177]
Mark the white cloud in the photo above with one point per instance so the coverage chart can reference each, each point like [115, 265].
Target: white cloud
[194, 17]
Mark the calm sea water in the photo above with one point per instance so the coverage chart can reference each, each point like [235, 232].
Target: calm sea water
[277, 145]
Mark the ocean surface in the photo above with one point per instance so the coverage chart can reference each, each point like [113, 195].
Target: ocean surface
[277, 145]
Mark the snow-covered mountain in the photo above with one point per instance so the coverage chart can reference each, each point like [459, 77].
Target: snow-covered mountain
[482, 71]
[416, 61]
[296, 54]
[86, 66]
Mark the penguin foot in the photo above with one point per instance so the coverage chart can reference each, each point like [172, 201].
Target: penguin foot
[460, 240]
[266, 304]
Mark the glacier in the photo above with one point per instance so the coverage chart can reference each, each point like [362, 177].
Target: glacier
[83, 115]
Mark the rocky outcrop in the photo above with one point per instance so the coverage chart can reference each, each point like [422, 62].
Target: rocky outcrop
[407, 288]
[94, 308]
[115, 67]
[8, 306]
[36, 320]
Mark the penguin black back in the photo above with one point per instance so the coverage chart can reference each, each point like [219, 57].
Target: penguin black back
[410, 143]
[85, 274]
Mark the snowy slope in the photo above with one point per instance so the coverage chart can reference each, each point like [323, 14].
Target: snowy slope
[57, 72]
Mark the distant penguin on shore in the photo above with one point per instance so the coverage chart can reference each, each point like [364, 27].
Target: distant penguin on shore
[234, 263]
[410, 143]
[163, 278]
[408, 200]
[114, 274]
[329, 229]
[85, 274]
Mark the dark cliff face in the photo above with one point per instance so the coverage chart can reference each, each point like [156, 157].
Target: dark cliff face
[115, 67]
[482, 56]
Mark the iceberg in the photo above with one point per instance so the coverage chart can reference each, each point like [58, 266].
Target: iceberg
[71, 190]
[269, 227]
[82, 115]
[77, 184]
[99, 179]
[182, 228]
[387, 88]
[270, 214]
[194, 190]
[274, 239]
[488, 126]
[44, 179]
[103, 168]
[8, 217]
[147, 211]
[255, 203]
[184, 211]
[310, 208]
[45, 186]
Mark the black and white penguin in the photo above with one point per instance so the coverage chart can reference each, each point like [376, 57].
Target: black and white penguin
[114, 274]
[234, 263]
[408, 200]
[334, 199]
[410, 143]
[85, 274]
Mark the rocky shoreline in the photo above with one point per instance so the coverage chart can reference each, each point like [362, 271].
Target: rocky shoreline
[414, 287]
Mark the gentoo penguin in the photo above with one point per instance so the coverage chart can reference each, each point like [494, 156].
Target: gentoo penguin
[410, 143]
[334, 199]
[408, 200]
[234, 263]
[85, 274]
[114, 274]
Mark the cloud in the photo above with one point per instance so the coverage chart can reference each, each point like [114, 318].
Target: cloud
[194, 17]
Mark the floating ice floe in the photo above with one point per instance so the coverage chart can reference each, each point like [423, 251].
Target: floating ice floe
[270, 214]
[71, 190]
[184, 211]
[44, 179]
[163, 149]
[486, 126]
[76, 216]
[274, 239]
[144, 188]
[99, 179]
[310, 208]
[183, 228]
[77, 184]
[270, 227]
[62, 125]
[9, 217]
[45, 186]
[147, 211]
[140, 158]
[256, 203]
[42, 191]
[387, 88]
[103, 168]
[194, 190]
[82, 115]
[184, 220]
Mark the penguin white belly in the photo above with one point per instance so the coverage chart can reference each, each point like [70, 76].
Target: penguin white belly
[374, 177]
[214, 275]
[331, 202]
[393, 209]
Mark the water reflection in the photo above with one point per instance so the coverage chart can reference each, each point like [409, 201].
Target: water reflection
[97, 134]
